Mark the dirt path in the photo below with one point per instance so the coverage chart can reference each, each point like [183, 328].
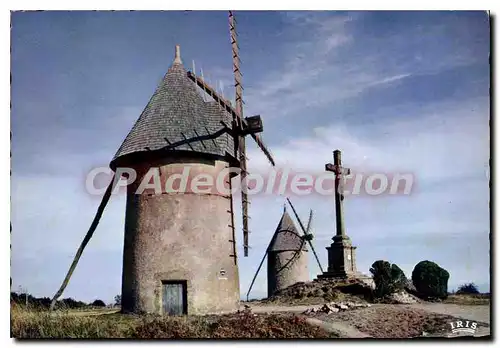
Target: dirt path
[478, 313]
[343, 330]
[91, 312]
[278, 309]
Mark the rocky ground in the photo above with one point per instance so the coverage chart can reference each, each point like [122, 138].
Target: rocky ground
[393, 321]
[357, 320]
[349, 309]
[321, 291]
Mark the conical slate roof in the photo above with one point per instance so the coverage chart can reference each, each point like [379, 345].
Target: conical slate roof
[177, 118]
[286, 237]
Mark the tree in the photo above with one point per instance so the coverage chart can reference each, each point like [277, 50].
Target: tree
[468, 288]
[98, 303]
[398, 277]
[388, 278]
[71, 303]
[118, 300]
[430, 280]
[381, 272]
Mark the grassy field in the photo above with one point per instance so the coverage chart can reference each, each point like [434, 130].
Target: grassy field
[469, 299]
[108, 324]
[95, 323]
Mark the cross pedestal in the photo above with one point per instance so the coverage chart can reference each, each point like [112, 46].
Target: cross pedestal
[341, 253]
[341, 260]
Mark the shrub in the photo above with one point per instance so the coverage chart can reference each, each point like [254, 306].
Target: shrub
[32, 302]
[118, 300]
[430, 280]
[468, 288]
[98, 303]
[398, 277]
[388, 278]
[70, 303]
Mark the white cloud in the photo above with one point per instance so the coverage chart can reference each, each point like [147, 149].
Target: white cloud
[437, 142]
[331, 61]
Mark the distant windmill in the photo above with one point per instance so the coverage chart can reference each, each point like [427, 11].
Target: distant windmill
[287, 263]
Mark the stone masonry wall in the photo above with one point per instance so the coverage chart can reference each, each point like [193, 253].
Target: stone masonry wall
[179, 236]
[285, 268]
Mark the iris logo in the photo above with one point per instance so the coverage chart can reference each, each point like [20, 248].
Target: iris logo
[463, 327]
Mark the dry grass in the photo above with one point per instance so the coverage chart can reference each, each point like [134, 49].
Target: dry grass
[469, 299]
[34, 323]
[42, 324]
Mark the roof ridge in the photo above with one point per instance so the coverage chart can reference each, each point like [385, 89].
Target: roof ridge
[177, 57]
[175, 109]
[286, 236]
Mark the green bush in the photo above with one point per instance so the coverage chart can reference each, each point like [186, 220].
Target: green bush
[469, 288]
[398, 277]
[118, 300]
[98, 303]
[44, 302]
[430, 280]
[388, 278]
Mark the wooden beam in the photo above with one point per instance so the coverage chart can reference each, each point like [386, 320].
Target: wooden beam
[86, 239]
[227, 107]
[211, 92]
[240, 124]
[305, 233]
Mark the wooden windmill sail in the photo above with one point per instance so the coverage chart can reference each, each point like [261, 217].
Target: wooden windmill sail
[241, 126]
[241, 148]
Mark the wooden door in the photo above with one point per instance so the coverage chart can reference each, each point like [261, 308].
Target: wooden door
[174, 298]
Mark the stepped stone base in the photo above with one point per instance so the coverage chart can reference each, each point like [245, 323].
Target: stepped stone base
[341, 258]
[342, 262]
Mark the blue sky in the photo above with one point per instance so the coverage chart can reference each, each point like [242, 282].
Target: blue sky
[395, 91]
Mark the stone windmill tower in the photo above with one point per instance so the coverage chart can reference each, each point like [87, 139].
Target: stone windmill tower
[287, 257]
[287, 254]
[179, 252]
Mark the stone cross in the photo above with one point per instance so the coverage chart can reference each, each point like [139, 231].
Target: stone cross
[339, 171]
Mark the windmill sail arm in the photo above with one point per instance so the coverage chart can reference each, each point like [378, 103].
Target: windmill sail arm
[305, 233]
[88, 236]
[264, 148]
[309, 223]
[257, 272]
[211, 92]
[227, 107]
